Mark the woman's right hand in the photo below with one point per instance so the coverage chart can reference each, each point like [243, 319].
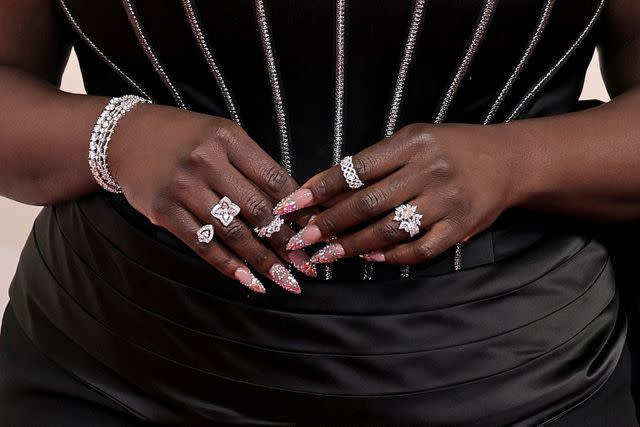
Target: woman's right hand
[175, 165]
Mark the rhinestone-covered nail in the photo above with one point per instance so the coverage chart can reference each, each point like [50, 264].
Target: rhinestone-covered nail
[246, 277]
[307, 236]
[281, 276]
[297, 200]
[328, 254]
[301, 261]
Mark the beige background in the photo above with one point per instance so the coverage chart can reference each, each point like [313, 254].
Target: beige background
[16, 218]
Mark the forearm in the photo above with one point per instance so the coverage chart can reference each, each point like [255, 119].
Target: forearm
[584, 164]
[44, 136]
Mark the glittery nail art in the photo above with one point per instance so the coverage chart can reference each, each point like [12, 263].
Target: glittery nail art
[245, 277]
[307, 236]
[297, 200]
[328, 254]
[281, 276]
[300, 260]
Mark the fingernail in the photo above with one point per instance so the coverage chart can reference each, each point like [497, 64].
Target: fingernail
[302, 263]
[297, 200]
[244, 276]
[307, 236]
[328, 254]
[281, 276]
[376, 256]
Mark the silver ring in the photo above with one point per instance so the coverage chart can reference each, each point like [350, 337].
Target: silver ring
[350, 174]
[205, 233]
[270, 229]
[408, 218]
[225, 211]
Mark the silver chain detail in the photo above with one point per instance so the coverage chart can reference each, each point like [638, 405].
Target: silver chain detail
[533, 91]
[101, 54]
[201, 38]
[537, 34]
[472, 49]
[283, 127]
[148, 50]
[396, 100]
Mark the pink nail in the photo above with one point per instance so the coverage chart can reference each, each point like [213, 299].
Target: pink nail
[376, 256]
[244, 276]
[302, 263]
[281, 276]
[307, 236]
[295, 201]
[328, 254]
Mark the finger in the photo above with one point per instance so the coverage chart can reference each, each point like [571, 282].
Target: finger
[255, 208]
[360, 207]
[385, 233]
[267, 174]
[441, 236]
[371, 164]
[185, 226]
[240, 239]
[260, 168]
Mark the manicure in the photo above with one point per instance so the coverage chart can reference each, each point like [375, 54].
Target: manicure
[281, 276]
[328, 254]
[307, 236]
[302, 263]
[376, 256]
[295, 201]
[244, 276]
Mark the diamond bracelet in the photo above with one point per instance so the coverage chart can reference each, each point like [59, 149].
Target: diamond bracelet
[101, 136]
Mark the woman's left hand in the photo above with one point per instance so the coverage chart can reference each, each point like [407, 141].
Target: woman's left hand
[459, 178]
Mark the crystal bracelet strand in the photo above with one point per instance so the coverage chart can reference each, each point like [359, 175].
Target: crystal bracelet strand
[101, 136]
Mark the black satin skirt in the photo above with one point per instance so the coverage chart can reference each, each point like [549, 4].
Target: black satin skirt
[529, 330]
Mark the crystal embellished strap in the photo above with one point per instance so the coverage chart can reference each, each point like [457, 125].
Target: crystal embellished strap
[101, 136]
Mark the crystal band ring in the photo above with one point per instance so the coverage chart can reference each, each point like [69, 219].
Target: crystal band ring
[270, 229]
[225, 211]
[205, 234]
[350, 174]
[408, 218]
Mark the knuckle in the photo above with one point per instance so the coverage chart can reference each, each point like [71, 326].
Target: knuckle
[258, 207]
[322, 188]
[224, 264]
[262, 260]
[373, 200]
[441, 168]
[234, 231]
[198, 157]
[327, 226]
[425, 252]
[390, 232]
[363, 165]
[275, 178]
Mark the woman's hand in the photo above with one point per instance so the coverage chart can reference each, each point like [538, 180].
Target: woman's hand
[458, 176]
[174, 166]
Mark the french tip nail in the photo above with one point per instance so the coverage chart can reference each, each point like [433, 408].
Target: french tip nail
[283, 278]
[328, 254]
[246, 278]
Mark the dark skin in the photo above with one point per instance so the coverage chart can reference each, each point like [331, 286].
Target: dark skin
[461, 176]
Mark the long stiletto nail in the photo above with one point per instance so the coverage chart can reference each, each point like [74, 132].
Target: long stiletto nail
[297, 200]
[307, 236]
[302, 263]
[246, 277]
[328, 254]
[376, 256]
[281, 276]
